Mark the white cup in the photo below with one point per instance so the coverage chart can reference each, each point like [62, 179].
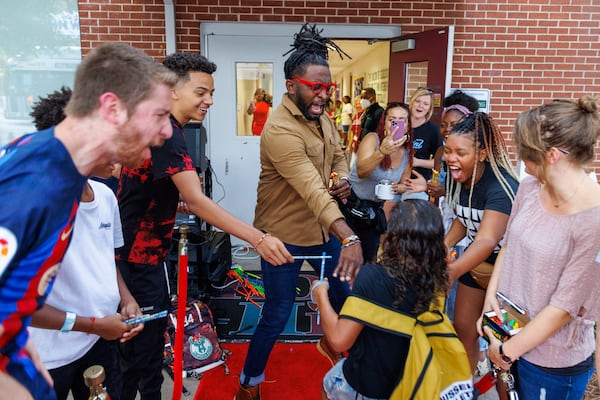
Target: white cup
[384, 191]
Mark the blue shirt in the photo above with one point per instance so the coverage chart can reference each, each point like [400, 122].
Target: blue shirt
[40, 190]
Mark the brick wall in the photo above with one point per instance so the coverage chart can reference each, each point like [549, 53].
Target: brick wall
[525, 52]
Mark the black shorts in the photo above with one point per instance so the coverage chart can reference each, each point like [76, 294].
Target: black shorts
[467, 280]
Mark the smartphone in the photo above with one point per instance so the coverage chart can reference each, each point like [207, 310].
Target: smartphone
[397, 125]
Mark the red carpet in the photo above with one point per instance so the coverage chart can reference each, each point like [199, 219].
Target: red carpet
[288, 361]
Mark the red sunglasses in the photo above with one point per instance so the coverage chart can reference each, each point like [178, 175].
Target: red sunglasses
[318, 87]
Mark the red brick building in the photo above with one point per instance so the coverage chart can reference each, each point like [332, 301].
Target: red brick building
[525, 52]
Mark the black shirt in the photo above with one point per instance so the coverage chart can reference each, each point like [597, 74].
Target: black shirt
[375, 362]
[370, 119]
[488, 194]
[426, 140]
[148, 201]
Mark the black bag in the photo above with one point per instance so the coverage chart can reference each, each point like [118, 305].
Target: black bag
[364, 214]
[209, 260]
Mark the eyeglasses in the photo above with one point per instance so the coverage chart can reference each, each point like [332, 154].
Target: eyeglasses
[318, 87]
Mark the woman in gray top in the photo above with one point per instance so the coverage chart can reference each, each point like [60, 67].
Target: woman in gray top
[380, 157]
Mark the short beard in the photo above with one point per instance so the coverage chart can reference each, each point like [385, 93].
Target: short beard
[310, 117]
[304, 109]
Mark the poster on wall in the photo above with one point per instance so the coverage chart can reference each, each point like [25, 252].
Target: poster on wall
[482, 96]
[359, 82]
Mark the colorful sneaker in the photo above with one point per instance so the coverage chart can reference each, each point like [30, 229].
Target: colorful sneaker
[326, 350]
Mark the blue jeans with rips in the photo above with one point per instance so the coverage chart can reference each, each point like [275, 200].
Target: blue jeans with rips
[337, 387]
[535, 383]
[280, 292]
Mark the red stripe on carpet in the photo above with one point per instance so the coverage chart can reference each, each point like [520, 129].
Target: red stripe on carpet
[294, 372]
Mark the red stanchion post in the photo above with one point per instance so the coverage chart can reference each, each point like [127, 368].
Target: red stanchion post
[182, 277]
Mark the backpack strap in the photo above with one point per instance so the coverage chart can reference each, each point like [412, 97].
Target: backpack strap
[378, 317]
[430, 332]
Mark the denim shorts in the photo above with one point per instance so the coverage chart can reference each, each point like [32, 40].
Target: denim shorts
[535, 383]
[336, 386]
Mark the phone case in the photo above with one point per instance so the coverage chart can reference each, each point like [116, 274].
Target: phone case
[399, 124]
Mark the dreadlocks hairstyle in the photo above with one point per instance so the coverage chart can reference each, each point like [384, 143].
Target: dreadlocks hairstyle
[309, 48]
[49, 111]
[572, 126]
[484, 132]
[386, 163]
[414, 253]
[184, 63]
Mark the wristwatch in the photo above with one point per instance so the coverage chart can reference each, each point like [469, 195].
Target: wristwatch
[503, 356]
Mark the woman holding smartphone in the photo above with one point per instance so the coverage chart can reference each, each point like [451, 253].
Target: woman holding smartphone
[384, 155]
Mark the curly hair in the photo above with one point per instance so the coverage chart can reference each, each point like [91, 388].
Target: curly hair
[414, 253]
[183, 63]
[309, 48]
[50, 110]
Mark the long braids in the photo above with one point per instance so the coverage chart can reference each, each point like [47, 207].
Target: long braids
[486, 135]
[309, 48]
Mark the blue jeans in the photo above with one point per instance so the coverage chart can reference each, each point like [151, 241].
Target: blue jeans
[536, 384]
[337, 387]
[280, 292]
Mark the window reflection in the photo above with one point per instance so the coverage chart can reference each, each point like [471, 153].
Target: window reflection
[254, 94]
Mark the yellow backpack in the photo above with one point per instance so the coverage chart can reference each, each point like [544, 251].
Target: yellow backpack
[436, 366]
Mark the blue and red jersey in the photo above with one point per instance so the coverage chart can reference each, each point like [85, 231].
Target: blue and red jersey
[40, 190]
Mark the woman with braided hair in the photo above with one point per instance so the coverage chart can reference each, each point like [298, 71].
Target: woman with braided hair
[481, 188]
[299, 149]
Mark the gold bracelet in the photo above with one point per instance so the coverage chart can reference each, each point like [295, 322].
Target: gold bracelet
[261, 239]
[352, 243]
[349, 239]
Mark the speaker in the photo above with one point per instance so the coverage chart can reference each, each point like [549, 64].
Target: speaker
[195, 139]
[209, 260]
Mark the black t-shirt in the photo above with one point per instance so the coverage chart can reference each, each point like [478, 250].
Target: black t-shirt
[488, 194]
[148, 201]
[375, 362]
[426, 140]
[370, 119]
